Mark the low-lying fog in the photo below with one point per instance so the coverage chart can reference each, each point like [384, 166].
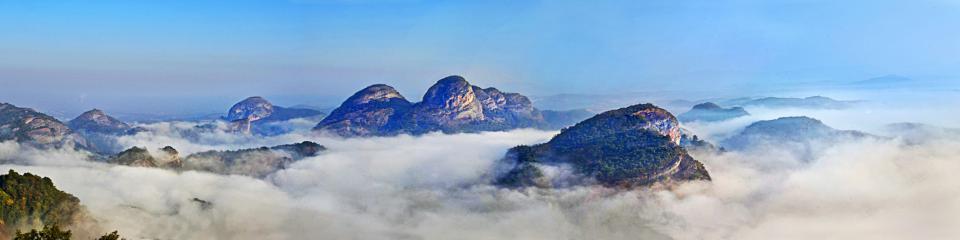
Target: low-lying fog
[435, 187]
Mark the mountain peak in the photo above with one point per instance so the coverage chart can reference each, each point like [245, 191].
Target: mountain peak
[252, 108]
[374, 110]
[452, 98]
[632, 146]
[446, 87]
[97, 121]
[24, 125]
[640, 117]
[376, 92]
[453, 79]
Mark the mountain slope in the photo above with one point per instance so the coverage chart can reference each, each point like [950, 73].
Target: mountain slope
[32, 201]
[627, 147]
[96, 121]
[373, 111]
[100, 131]
[30, 127]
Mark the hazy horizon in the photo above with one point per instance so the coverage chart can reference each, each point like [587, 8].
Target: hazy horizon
[189, 57]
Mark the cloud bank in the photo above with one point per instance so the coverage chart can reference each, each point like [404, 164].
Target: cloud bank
[436, 187]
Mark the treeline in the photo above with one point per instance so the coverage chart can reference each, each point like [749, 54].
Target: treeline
[30, 201]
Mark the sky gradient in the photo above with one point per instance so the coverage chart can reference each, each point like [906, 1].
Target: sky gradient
[198, 56]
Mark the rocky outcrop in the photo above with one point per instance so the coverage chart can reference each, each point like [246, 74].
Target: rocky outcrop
[30, 127]
[450, 101]
[244, 113]
[250, 109]
[711, 112]
[249, 115]
[628, 147]
[254, 162]
[500, 107]
[135, 156]
[450, 105]
[374, 111]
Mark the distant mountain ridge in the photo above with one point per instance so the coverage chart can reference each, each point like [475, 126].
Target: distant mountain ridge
[254, 162]
[711, 112]
[891, 80]
[100, 130]
[813, 102]
[26, 126]
[803, 135]
[451, 105]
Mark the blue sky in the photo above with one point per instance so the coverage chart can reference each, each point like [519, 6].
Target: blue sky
[195, 56]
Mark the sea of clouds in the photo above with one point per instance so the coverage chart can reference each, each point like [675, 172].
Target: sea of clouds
[436, 187]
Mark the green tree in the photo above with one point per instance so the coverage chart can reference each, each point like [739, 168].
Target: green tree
[48, 233]
[111, 236]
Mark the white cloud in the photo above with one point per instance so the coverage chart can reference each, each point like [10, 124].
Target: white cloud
[435, 187]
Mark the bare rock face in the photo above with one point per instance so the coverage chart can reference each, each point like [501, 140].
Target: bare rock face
[660, 121]
[450, 99]
[27, 126]
[375, 110]
[450, 105]
[244, 113]
[628, 147]
[252, 109]
[508, 107]
[168, 157]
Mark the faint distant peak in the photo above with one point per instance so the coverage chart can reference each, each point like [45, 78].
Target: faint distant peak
[888, 79]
